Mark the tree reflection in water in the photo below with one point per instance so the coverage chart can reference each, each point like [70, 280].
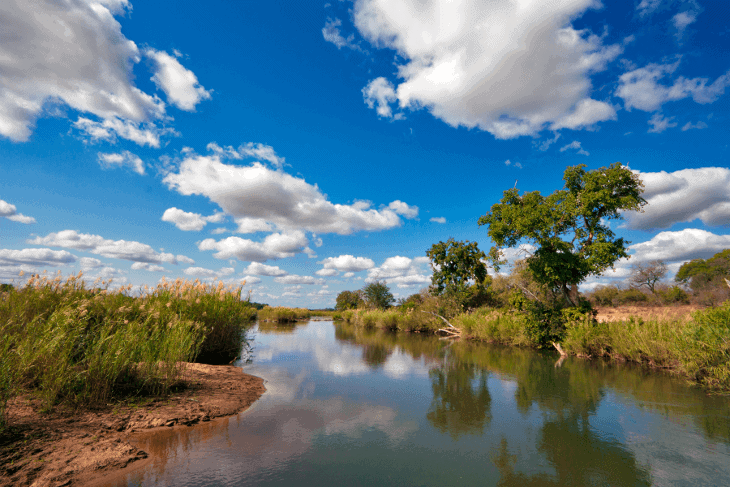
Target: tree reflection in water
[461, 401]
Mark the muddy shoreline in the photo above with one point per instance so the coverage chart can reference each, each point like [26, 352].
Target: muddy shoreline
[84, 447]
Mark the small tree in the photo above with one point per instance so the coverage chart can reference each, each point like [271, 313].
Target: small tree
[459, 271]
[349, 300]
[377, 295]
[568, 227]
[648, 274]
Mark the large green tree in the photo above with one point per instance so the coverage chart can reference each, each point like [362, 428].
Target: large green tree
[569, 227]
[459, 271]
[349, 300]
[377, 295]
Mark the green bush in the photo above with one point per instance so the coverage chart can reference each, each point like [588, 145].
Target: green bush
[673, 295]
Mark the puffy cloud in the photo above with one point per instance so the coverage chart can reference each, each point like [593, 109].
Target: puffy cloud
[274, 246]
[294, 279]
[439, 219]
[71, 53]
[11, 213]
[208, 273]
[403, 271]
[347, 263]
[87, 263]
[404, 209]
[259, 198]
[680, 246]
[122, 159]
[327, 272]
[641, 89]
[510, 68]
[348, 275]
[190, 221]
[116, 249]
[659, 123]
[185, 260]
[251, 280]
[36, 257]
[147, 267]
[379, 94]
[683, 196]
[179, 84]
[575, 145]
[264, 270]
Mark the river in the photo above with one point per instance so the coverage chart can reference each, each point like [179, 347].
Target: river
[347, 406]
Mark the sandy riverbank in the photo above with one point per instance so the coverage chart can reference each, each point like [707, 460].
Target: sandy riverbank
[81, 447]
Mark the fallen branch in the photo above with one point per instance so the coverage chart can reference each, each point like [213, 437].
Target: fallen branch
[453, 333]
[559, 349]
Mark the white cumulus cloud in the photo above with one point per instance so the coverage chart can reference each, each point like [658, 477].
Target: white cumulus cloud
[347, 263]
[179, 84]
[36, 257]
[510, 68]
[122, 159]
[294, 279]
[190, 221]
[259, 269]
[71, 53]
[438, 219]
[260, 198]
[641, 88]
[116, 249]
[683, 196]
[11, 213]
[274, 246]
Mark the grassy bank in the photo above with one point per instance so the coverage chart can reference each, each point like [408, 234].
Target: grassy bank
[698, 348]
[282, 314]
[68, 343]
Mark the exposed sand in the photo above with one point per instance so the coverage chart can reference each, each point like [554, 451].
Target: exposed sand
[79, 448]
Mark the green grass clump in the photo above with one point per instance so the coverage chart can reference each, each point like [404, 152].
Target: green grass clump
[85, 346]
[282, 314]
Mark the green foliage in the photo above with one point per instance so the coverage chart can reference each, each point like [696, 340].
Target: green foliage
[459, 272]
[377, 295]
[283, 314]
[87, 346]
[707, 278]
[349, 300]
[672, 295]
[578, 211]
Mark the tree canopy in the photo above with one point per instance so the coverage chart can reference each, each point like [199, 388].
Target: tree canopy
[568, 227]
[458, 269]
[377, 295]
[349, 300]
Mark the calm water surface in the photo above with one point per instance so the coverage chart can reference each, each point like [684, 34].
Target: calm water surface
[352, 407]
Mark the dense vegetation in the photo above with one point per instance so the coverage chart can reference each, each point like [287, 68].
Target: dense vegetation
[69, 343]
[538, 304]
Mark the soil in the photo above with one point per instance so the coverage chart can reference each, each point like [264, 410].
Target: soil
[79, 447]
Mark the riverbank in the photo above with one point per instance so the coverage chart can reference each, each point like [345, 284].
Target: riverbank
[79, 447]
[694, 343]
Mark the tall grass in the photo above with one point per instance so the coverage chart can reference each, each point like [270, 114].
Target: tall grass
[84, 346]
[282, 314]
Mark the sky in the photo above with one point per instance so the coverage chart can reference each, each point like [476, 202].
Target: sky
[308, 148]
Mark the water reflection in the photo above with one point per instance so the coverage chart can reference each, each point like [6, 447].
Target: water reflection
[345, 405]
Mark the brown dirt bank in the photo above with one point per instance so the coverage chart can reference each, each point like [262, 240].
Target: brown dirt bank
[79, 447]
[670, 313]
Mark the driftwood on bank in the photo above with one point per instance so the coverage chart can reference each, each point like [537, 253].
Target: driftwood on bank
[557, 346]
[451, 330]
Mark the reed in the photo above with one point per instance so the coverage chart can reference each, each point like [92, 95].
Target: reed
[85, 345]
[282, 314]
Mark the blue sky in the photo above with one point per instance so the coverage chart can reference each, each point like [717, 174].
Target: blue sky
[313, 147]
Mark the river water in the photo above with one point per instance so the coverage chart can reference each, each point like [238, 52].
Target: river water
[346, 406]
